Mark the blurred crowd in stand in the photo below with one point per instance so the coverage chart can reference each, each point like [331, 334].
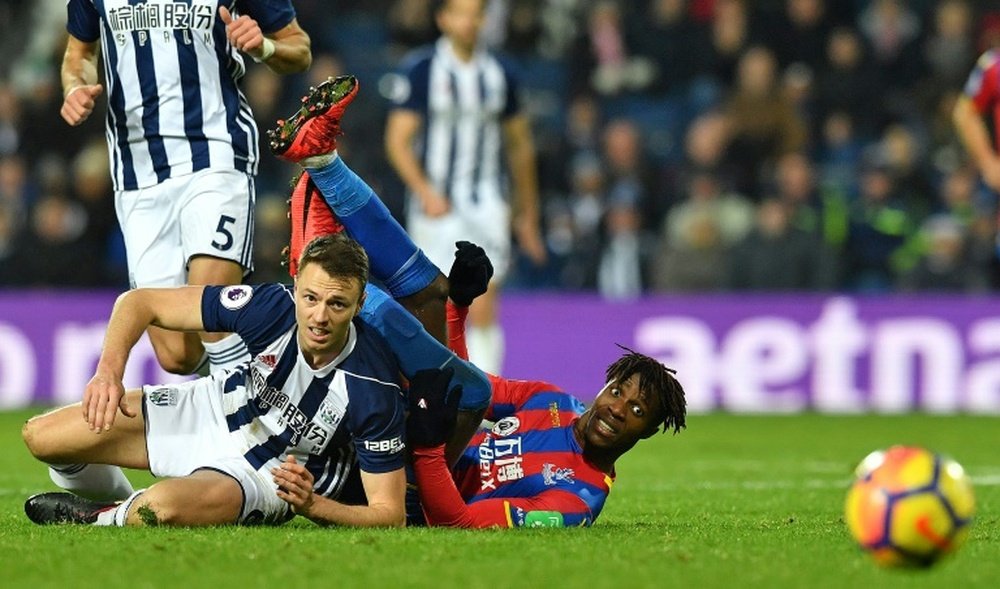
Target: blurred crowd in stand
[683, 145]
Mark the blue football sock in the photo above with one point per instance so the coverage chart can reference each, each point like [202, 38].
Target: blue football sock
[418, 350]
[395, 260]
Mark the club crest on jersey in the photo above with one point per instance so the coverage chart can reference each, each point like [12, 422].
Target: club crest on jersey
[235, 297]
[329, 415]
[162, 397]
[552, 475]
[506, 426]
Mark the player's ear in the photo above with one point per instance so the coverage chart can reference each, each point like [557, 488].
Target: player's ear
[361, 301]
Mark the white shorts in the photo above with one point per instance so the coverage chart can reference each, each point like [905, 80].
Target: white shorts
[209, 212]
[186, 431]
[487, 226]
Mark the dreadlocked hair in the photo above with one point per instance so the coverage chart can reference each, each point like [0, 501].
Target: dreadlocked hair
[656, 380]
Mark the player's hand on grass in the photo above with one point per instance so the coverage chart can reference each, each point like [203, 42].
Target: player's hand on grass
[295, 485]
[244, 33]
[102, 399]
[433, 408]
[79, 103]
[470, 273]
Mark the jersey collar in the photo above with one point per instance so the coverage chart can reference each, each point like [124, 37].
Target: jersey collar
[352, 340]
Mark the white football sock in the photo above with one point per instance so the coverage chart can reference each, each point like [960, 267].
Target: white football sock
[486, 347]
[228, 352]
[319, 161]
[118, 515]
[100, 482]
[106, 517]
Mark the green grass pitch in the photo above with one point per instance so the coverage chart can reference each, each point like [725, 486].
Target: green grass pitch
[734, 501]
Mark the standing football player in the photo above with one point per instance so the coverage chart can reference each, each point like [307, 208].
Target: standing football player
[181, 137]
[463, 104]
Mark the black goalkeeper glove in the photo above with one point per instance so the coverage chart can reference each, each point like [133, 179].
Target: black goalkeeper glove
[470, 273]
[433, 409]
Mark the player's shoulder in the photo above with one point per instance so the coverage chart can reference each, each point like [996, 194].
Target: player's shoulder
[369, 339]
[504, 60]
[372, 359]
[419, 58]
[408, 86]
[532, 385]
[234, 297]
[550, 409]
[510, 66]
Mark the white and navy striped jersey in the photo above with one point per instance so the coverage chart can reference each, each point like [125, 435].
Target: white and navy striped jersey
[276, 404]
[463, 105]
[174, 103]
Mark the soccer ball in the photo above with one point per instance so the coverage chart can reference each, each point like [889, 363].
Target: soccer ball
[909, 506]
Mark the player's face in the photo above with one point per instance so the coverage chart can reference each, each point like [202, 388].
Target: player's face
[460, 21]
[324, 307]
[619, 417]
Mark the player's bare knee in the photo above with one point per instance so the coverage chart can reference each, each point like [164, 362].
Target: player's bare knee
[167, 504]
[156, 507]
[147, 515]
[38, 436]
[29, 435]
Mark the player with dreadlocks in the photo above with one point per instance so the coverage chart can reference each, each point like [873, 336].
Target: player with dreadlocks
[546, 461]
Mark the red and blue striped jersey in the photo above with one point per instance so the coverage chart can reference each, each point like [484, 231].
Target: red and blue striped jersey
[527, 470]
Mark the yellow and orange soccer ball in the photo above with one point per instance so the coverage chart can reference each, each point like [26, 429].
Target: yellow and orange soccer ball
[909, 506]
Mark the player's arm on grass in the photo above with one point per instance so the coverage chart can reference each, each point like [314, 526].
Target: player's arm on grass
[433, 411]
[386, 494]
[177, 309]
[443, 504]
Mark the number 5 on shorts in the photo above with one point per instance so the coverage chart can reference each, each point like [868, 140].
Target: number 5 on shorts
[228, 243]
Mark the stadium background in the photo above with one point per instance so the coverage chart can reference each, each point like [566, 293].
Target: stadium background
[724, 183]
